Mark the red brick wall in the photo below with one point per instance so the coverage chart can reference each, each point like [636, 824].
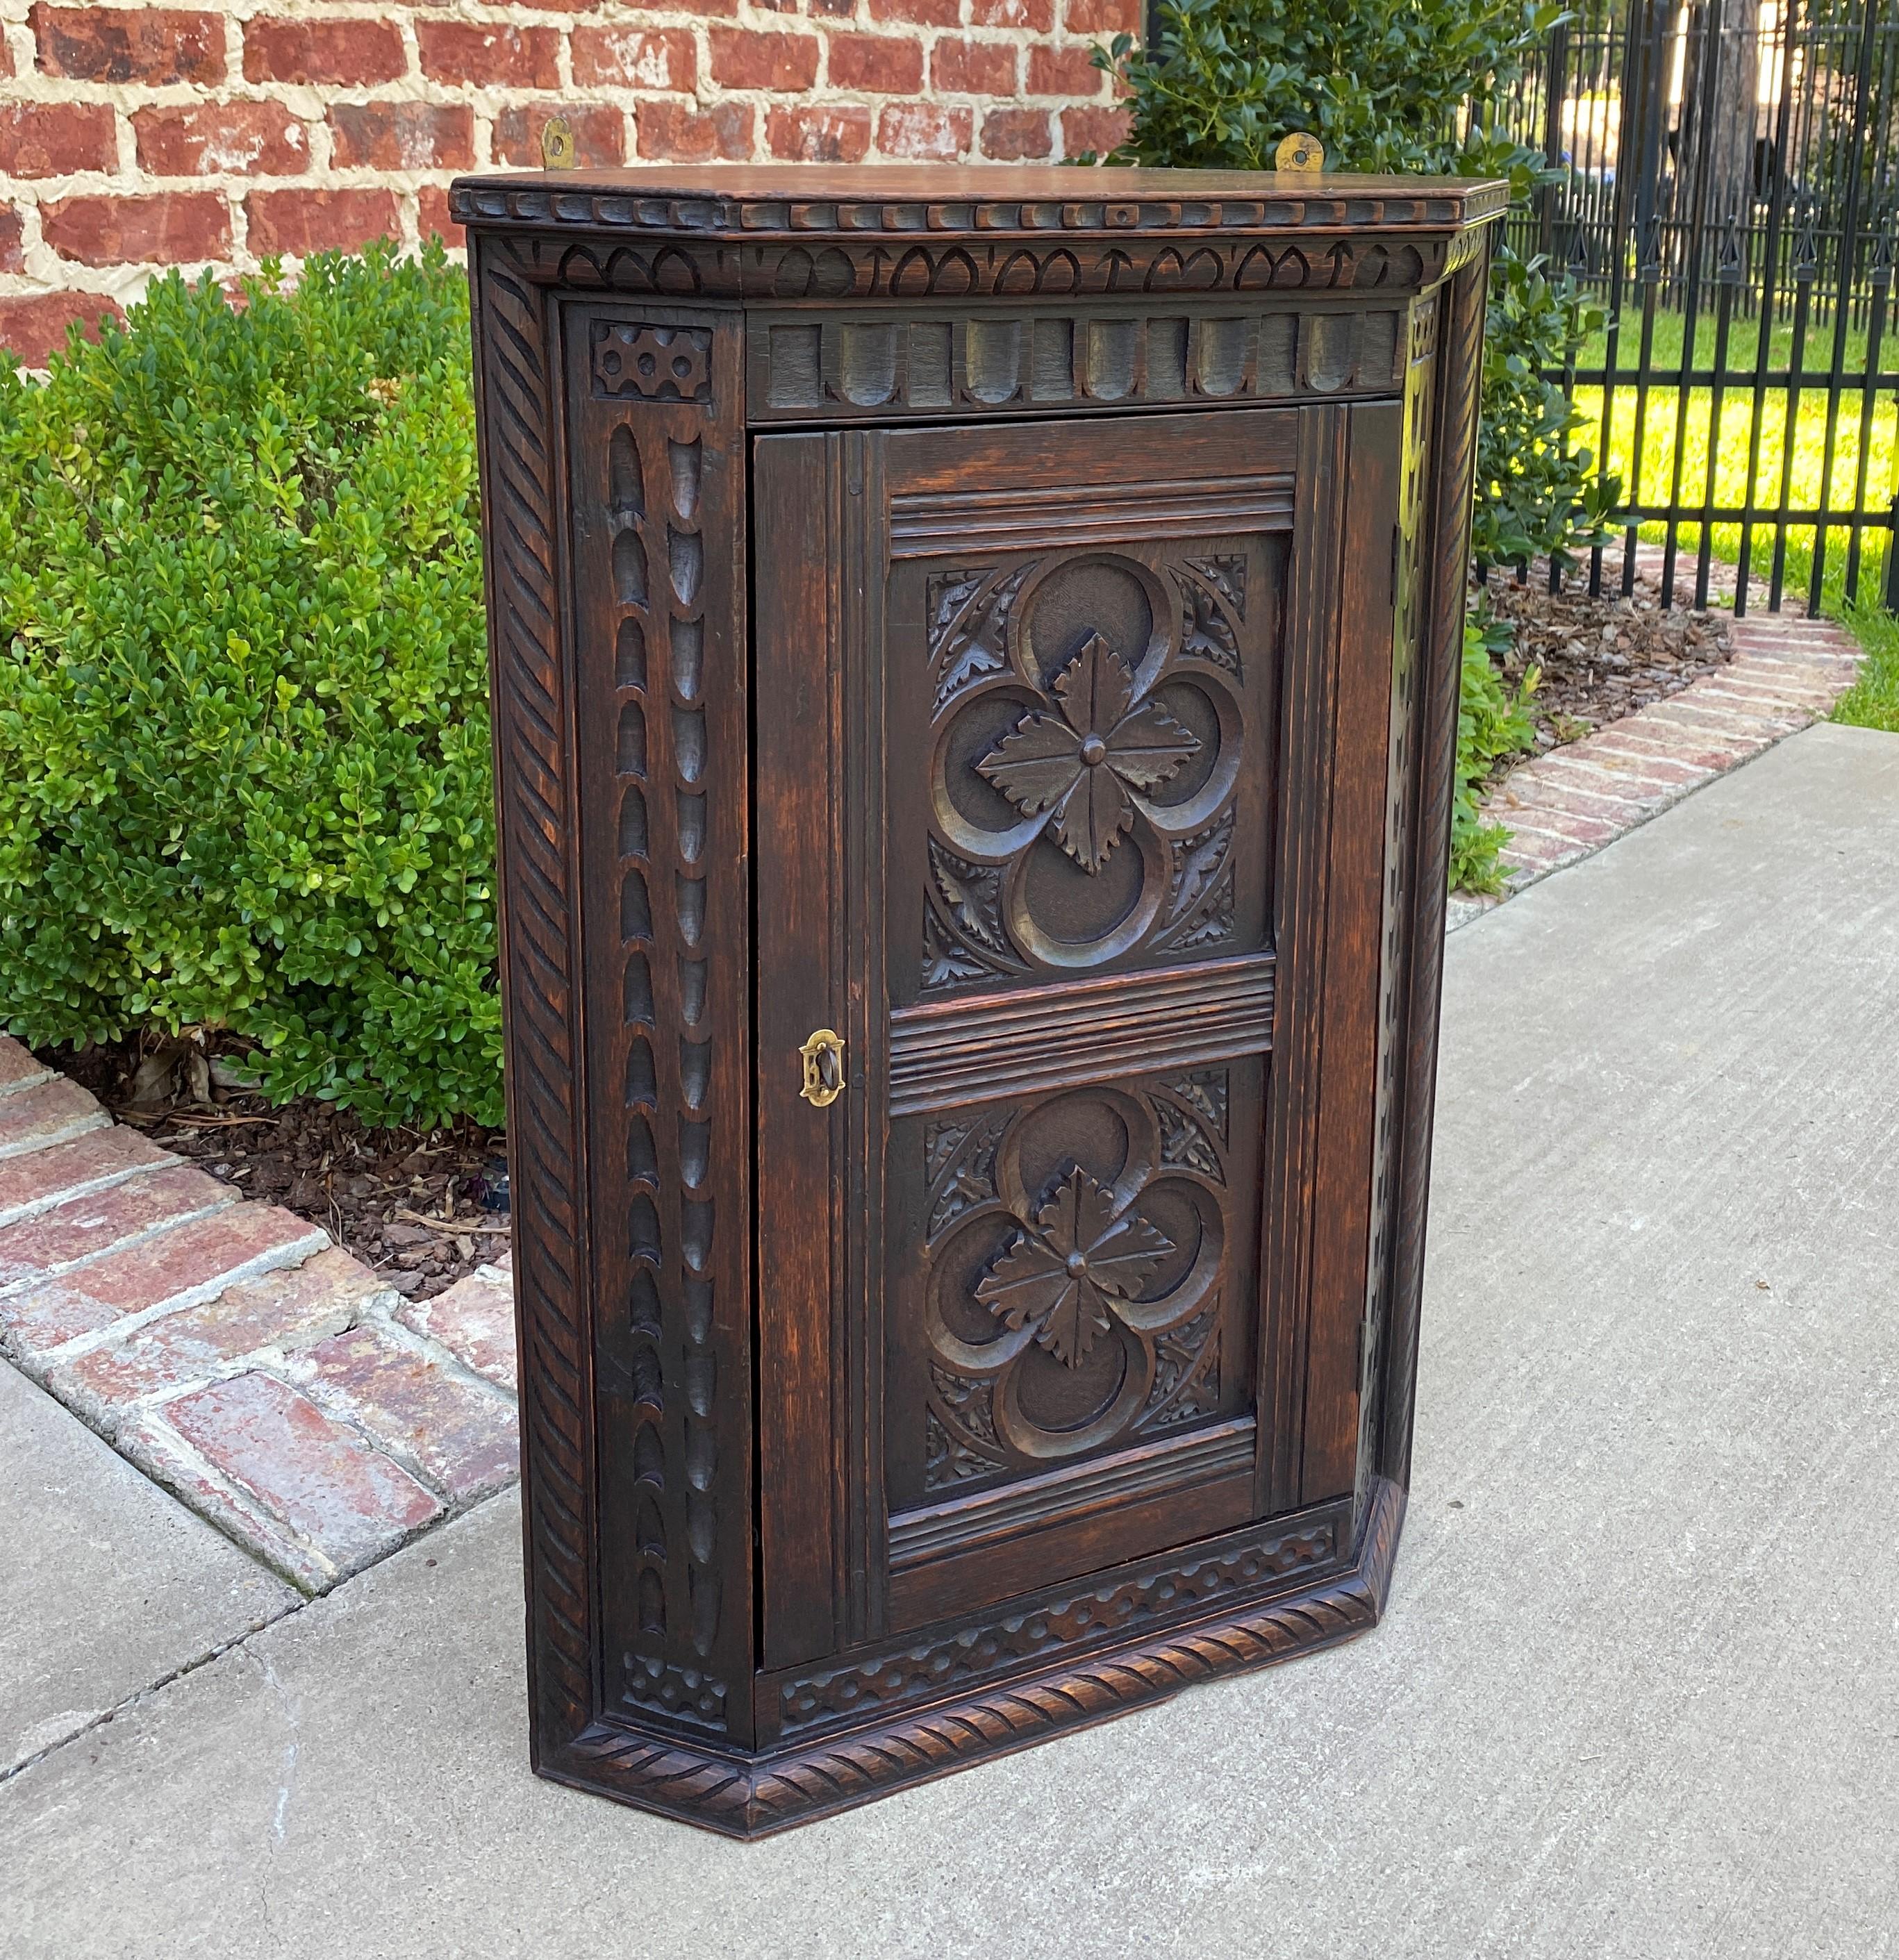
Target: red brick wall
[133, 137]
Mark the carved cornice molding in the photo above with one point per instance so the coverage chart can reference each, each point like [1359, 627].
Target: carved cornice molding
[774, 248]
[487, 201]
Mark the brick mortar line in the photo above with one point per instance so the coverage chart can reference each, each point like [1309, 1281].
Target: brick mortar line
[268, 1358]
[686, 53]
[275, 1359]
[225, 1200]
[1585, 772]
[426, 1347]
[138, 1428]
[1792, 647]
[278, 1258]
[34, 1208]
[270, 1529]
[24, 1082]
[174, 1476]
[176, 1462]
[80, 1126]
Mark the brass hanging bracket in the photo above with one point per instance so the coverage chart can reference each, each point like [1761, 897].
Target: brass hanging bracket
[1299, 151]
[822, 1055]
[557, 144]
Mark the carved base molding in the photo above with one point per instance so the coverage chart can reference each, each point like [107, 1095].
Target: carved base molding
[750, 1795]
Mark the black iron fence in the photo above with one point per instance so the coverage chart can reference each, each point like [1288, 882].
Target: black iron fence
[1730, 187]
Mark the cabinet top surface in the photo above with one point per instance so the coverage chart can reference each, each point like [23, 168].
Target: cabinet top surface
[756, 201]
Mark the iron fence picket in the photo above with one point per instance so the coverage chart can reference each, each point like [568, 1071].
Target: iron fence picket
[1796, 225]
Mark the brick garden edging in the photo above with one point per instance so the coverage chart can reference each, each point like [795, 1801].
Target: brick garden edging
[1786, 673]
[230, 1351]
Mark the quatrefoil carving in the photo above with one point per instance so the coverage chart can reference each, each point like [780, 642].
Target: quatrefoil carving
[1081, 762]
[1086, 740]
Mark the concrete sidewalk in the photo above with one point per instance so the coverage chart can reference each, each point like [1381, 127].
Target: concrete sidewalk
[1638, 1691]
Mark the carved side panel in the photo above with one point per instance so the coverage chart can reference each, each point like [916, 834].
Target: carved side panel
[656, 464]
[1399, 900]
[533, 692]
[1444, 566]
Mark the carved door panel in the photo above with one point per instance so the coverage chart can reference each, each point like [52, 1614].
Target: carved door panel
[1047, 765]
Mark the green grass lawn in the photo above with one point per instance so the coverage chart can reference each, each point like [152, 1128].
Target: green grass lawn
[1783, 463]
[1743, 342]
[1873, 701]
[1742, 456]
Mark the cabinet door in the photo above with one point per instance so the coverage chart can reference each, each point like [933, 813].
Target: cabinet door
[1071, 821]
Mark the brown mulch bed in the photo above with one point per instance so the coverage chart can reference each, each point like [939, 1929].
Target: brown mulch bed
[423, 1208]
[1600, 659]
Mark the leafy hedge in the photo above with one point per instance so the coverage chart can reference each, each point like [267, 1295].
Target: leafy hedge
[1493, 721]
[244, 765]
[1403, 85]
[1396, 85]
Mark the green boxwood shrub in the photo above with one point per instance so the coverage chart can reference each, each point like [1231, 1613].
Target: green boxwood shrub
[1397, 85]
[244, 765]
[1493, 722]
[1408, 85]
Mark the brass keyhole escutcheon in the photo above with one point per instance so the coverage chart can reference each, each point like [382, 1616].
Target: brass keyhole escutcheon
[823, 1057]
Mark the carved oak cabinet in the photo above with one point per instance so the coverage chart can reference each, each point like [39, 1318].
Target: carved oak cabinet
[975, 667]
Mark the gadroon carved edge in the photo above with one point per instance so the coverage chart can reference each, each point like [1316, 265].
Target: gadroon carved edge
[752, 1795]
[505, 200]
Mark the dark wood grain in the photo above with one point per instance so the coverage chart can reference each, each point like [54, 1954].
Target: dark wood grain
[798, 490]
[751, 1798]
[657, 504]
[1446, 554]
[1047, 356]
[1348, 1038]
[537, 841]
[906, 620]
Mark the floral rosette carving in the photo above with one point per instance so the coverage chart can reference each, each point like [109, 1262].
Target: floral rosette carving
[1087, 743]
[1074, 1274]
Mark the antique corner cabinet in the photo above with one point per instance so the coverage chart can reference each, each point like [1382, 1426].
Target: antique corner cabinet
[975, 663]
